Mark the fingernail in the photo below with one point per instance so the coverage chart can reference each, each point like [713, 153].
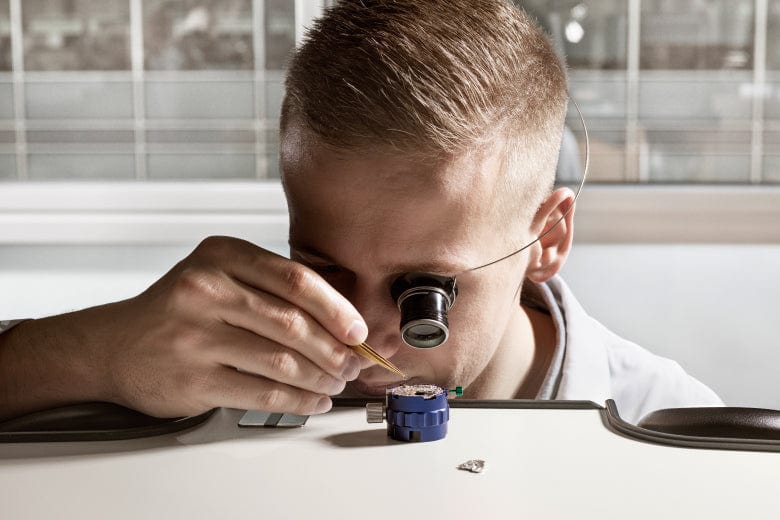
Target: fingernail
[357, 333]
[323, 405]
[352, 368]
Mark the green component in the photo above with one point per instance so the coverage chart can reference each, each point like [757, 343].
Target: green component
[458, 391]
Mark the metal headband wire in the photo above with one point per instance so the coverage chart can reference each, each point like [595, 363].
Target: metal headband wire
[571, 206]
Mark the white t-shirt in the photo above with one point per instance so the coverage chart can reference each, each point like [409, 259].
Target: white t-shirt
[592, 363]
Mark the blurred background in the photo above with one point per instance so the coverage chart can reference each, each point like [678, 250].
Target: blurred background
[142, 90]
[673, 92]
[131, 129]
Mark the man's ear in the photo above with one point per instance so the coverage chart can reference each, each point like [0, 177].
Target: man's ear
[549, 254]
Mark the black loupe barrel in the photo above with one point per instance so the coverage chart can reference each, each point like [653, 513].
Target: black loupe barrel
[424, 301]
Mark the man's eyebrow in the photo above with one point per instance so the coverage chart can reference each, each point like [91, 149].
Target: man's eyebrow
[434, 267]
[312, 251]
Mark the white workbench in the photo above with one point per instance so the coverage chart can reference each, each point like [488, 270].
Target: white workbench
[540, 463]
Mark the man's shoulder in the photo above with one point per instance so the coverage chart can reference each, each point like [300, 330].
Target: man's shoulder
[604, 365]
[647, 381]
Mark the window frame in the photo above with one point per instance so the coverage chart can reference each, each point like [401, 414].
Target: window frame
[110, 212]
[184, 213]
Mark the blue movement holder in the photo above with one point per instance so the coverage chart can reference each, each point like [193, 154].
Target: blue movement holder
[417, 415]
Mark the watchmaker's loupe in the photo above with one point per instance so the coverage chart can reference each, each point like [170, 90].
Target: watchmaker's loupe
[424, 300]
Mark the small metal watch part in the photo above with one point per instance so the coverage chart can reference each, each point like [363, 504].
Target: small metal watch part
[473, 466]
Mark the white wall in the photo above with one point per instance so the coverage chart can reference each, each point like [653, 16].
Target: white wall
[42, 280]
[711, 307]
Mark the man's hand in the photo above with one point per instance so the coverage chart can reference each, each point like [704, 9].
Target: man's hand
[230, 325]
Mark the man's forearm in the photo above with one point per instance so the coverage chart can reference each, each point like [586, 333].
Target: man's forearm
[51, 362]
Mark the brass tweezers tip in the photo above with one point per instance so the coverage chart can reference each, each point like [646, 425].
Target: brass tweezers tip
[369, 353]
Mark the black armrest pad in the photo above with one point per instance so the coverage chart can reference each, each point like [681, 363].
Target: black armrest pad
[731, 422]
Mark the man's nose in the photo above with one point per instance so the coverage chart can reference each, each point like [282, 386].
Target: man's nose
[378, 309]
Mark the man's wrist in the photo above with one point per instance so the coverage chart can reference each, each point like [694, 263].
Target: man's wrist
[50, 362]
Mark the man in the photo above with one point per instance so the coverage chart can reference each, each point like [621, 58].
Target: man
[415, 137]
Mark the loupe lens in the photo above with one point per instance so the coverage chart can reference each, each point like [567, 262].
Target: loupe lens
[424, 301]
[424, 319]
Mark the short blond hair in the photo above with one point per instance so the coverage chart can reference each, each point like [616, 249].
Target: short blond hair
[432, 77]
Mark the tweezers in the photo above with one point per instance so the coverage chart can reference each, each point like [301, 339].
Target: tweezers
[372, 355]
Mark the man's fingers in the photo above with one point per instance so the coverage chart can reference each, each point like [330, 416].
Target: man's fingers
[273, 318]
[289, 281]
[233, 389]
[246, 351]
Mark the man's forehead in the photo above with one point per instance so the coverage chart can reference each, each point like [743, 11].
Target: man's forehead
[306, 157]
[404, 211]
